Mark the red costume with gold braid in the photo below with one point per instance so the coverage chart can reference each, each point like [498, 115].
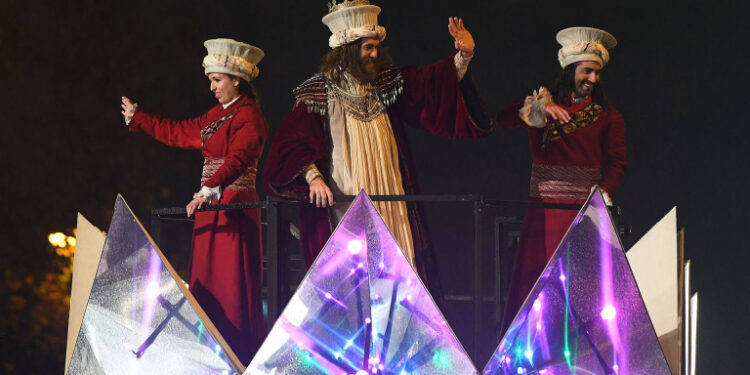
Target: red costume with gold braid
[566, 166]
[225, 276]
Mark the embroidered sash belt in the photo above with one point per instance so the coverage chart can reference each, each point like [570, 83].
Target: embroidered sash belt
[562, 182]
[246, 181]
[578, 120]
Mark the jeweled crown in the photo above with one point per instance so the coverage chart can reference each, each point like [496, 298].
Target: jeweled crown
[334, 6]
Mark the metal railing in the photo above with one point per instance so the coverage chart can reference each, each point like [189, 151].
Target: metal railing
[277, 275]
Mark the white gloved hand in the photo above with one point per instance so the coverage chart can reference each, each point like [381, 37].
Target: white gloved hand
[209, 194]
[534, 112]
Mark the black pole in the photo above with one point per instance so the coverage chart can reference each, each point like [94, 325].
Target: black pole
[272, 251]
[155, 228]
[478, 263]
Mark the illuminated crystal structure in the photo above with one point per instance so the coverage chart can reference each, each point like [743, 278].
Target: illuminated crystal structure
[361, 309]
[585, 315]
[140, 317]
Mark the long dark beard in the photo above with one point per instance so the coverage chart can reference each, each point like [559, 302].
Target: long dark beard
[579, 90]
[365, 70]
[565, 85]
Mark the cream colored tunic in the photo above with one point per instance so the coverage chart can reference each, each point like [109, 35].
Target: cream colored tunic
[365, 156]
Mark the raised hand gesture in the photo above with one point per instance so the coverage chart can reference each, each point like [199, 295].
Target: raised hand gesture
[464, 42]
[128, 109]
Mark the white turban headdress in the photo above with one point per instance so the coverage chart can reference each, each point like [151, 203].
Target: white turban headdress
[353, 20]
[229, 56]
[584, 44]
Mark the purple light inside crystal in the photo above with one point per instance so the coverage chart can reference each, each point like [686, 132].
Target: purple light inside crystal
[606, 278]
[152, 287]
[608, 312]
[354, 246]
[594, 319]
[152, 290]
[352, 270]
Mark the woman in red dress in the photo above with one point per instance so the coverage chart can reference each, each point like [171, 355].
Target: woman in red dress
[225, 276]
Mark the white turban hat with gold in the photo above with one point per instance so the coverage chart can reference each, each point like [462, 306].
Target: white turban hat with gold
[229, 56]
[584, 44]
[352, 20]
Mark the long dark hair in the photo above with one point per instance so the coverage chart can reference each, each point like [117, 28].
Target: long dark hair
[249, 90]
[565, 85]
[347, 58]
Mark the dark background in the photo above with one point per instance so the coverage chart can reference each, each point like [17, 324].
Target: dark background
[678, 75]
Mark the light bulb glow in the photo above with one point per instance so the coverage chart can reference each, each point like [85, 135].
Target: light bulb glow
[529, 354]
[152, 290]
[354, 246]
[537, 305]
[57, 239]
[608, 312]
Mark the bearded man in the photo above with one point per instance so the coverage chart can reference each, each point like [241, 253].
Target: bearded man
[577, 140]
[346, 131]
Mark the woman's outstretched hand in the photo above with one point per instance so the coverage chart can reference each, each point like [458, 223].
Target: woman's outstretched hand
[128, 109]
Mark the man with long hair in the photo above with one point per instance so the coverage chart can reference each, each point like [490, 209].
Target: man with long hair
[577, 140]
[347, 132]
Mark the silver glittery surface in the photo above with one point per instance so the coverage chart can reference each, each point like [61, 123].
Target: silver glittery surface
[138, 320]
[585, 315]
[361, 309]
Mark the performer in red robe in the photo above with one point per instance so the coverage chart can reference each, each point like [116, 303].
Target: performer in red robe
[577, 140]
[347, 132]
[225, 276]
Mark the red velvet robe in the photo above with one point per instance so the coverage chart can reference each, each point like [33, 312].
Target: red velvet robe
[432, 100]
[601, 144]
[227, 265]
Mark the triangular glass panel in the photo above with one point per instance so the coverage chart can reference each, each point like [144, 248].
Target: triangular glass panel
[140, 317]
[361, 309]
[585, 315]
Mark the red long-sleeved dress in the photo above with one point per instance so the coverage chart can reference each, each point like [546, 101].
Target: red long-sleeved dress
[225, 275]
[564, 170]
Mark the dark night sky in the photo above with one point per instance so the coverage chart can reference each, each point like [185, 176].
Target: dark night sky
[678, 75]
